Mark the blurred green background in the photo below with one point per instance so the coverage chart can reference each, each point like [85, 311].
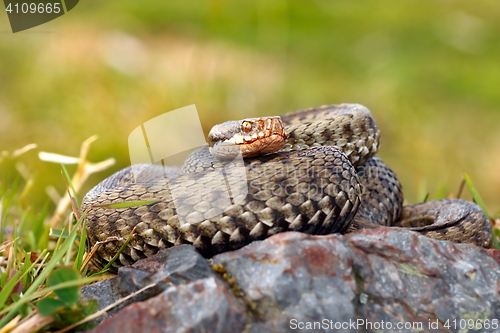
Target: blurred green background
[428, 70]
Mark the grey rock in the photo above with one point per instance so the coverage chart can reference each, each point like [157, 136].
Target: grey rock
[202, 306]
[177, 265]
[371, 280]
[379, 276]
[106, 292]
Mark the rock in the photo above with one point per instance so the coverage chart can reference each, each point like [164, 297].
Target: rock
[106, 292]
[377, 279]
[203, 306]
[381, 275]
[177, 265]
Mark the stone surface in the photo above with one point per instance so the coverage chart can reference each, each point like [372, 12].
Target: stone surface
[203, 306]
[377, 275]
[177, 265]
[383, 279]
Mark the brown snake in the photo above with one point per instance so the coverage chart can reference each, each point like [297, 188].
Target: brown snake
[325, 179]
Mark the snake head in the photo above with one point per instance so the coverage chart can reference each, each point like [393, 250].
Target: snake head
[251, 137]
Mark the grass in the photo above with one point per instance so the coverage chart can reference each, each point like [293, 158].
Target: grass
[43, 268]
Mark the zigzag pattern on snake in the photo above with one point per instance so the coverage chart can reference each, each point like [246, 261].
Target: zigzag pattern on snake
[326, 179]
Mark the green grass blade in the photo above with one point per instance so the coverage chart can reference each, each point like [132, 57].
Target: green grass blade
[73, 230]
[45, 255]
[118, 253]
[475, 195]
[105, 269]
[44, 291]
[58, 233]
[70, 184]
[479, 201]
[54, 261]
[8, 287]
[441, 192]
[1, 219]
[43, 241]
[81, 248]
[26, 267]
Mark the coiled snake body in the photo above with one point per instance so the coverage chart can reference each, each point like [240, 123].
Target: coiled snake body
[326, 178]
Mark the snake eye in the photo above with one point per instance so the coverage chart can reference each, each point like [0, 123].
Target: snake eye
[246, 126]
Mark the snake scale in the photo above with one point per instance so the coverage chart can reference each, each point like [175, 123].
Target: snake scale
[325, 179]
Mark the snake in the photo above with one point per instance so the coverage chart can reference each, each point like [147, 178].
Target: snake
[314, 171]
